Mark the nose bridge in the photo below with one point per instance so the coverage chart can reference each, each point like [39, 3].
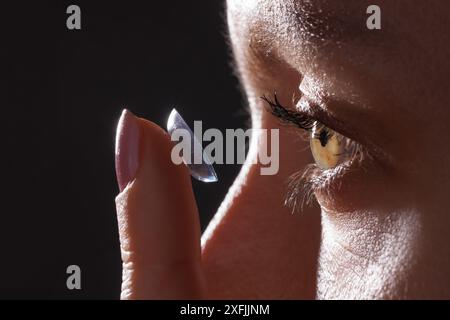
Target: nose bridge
[255, 247]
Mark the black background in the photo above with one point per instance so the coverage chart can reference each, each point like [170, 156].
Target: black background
[64, 93]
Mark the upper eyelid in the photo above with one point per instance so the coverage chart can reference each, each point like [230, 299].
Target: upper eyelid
[317, 111]
[314, 112]
[306, 117]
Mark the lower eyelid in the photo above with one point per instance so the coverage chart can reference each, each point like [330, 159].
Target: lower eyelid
[313, 182]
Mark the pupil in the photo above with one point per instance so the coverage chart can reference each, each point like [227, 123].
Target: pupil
[323, 138]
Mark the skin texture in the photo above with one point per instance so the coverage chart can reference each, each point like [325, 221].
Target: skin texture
[378, 230]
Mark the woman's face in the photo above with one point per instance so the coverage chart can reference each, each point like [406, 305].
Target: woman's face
[378, 224]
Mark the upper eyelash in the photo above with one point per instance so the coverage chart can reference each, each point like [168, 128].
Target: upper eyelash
[300, 120]
[288, 116]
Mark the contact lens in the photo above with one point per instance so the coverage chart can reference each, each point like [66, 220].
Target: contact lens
[199, 164]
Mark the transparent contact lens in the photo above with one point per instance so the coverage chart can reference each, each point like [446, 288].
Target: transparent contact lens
[199, 164]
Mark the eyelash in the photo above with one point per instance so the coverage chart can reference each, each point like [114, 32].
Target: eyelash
[303, 184]
[287, 116]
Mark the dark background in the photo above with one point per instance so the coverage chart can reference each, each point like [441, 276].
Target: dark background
[64, 94]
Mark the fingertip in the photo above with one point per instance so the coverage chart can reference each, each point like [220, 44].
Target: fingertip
[158, 222]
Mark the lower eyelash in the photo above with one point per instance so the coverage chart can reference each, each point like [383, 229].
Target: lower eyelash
[300, 191]
[304, 184]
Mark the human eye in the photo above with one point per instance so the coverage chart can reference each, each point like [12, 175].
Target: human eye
[334, 153]
[330, 148]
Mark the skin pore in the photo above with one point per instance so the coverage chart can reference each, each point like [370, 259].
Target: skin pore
[378, 227]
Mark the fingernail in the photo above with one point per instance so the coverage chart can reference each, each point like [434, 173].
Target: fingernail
[127, 148]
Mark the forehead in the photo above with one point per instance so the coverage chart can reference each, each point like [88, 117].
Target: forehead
[327, 36]
[417, 9]
[335, 18]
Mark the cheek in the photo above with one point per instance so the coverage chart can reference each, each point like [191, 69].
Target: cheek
[256, 247]
[368, 255]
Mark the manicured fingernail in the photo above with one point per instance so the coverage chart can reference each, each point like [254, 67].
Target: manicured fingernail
[127, 148]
